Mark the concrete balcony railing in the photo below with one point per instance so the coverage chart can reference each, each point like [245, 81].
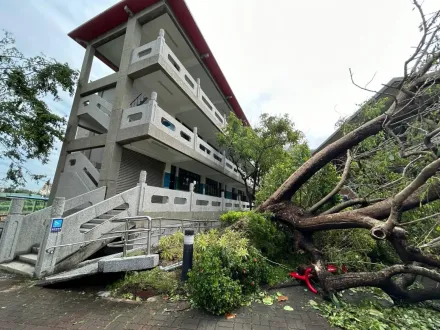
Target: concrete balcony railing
[151, 113]
[165, 55]
[94, 113]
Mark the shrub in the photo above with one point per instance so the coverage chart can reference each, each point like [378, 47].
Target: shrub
[226, 271]
[171, 246]
[264, 234]
[160, 281]
[231, 217]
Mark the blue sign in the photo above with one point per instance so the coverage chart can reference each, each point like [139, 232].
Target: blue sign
[57, 224]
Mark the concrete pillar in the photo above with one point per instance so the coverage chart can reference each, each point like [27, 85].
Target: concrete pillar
[223, 200]
[11, 230]
[113, 151]
[72, 124]
[46, 260]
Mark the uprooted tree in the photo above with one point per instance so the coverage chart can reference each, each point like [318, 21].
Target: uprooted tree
[392, 164]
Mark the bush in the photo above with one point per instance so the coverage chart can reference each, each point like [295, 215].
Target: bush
[171, 247]
[160, 281]
[231, 217]
[226, 271]
[263, 234]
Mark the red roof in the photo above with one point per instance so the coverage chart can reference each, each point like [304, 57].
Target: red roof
[116, 15]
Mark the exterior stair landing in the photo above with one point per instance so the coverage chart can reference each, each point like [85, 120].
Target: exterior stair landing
[24, 264]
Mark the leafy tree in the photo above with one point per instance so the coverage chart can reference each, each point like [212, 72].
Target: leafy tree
[28, 128]
[254, 151]
[392, 167]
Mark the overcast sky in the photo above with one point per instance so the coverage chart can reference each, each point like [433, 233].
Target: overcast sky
[279, 56]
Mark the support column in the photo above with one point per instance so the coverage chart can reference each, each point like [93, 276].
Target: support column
[113, 151]
[11, 231]
[72, 124]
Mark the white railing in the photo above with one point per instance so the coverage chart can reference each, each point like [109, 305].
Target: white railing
[151, 113]
[32, 229]
[72, 223]
[94, 112]
[165, 200]
[158, 48]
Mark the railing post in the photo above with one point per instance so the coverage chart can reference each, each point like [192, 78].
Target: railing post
[191, 191]
[46, 260]
[142, 187]
[195, 138]
[161, 41]
[152, 105]
[11, 230]
[198, 88]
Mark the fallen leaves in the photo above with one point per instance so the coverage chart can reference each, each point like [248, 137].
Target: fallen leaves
[229, 316]
[282, 298]
[288, 308]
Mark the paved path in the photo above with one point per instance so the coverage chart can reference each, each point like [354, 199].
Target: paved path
[24, 306]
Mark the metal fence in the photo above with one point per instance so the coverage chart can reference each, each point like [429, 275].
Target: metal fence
[131, 237]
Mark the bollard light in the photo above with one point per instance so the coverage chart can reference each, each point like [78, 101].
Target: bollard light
[188, 244]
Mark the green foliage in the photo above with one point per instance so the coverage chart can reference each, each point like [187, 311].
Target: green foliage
[231, 217]
[171, 247]
[160, 281]
[28, 128]
[226, 271]
[268, 237]
[372, 316]
[254, 151]
[310, 193]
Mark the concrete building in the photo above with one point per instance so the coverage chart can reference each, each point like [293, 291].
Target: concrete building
[140, 142]
[159, 111]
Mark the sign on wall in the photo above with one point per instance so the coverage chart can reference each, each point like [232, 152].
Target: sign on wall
[57, 224]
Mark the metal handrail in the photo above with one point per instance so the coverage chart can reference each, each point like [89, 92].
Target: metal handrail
[125, 233]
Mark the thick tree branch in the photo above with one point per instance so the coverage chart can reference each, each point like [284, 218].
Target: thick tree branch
[338, 187]
[321, 158]
[384, 229]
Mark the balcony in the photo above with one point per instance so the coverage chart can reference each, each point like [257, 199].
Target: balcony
[157, 52]
[94, 113]
[150, 120]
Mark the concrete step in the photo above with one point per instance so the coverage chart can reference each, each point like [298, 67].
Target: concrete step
[18, 267]
[35, 249]
[29, 258]
[97, 221]
[88, 225]
[106, 216]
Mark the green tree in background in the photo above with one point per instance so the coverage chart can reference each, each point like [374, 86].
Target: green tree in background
[255, 151]
[28, 127]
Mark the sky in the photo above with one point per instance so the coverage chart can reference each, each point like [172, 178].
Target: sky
[279, 57]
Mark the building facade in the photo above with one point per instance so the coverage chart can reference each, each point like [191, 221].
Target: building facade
[159, 112]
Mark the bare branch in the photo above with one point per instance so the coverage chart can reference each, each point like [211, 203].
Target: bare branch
[352, 202]
[370, 90]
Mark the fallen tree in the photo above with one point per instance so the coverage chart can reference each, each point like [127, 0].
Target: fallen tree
[397, 135]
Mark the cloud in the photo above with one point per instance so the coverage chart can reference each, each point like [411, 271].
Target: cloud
[279, 56]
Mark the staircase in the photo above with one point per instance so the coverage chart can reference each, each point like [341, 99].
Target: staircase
[24, 264]
[89, 225]
[139, 100]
